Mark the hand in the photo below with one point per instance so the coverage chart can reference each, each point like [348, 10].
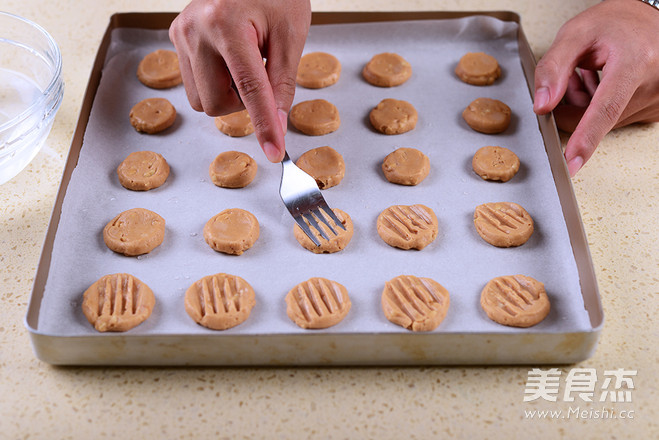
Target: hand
[217, 40]
[618, 37]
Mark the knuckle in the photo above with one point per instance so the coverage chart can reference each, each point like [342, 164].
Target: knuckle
[250, 87]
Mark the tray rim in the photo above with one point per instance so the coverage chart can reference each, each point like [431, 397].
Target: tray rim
[43, 343]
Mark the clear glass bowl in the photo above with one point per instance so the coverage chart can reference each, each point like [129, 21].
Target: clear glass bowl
[31, 90]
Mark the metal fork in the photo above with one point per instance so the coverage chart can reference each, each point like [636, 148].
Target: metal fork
[299, 192]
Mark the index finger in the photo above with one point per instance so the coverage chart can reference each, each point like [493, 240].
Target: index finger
[245, 64]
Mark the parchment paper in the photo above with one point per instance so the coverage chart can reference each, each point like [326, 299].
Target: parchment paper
[458, 259]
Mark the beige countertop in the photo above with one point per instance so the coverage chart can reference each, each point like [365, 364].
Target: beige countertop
[617, 194]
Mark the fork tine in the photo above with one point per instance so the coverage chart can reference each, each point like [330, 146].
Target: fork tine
[322, 218]
[333, 216]
[305, 228]
[312, 222]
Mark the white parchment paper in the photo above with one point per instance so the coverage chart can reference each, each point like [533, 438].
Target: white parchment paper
[459, 259]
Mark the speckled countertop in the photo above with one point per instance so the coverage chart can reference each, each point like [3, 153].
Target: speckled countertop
[617, 193]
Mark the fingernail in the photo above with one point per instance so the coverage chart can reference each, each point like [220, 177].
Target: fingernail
[283, 120]
[541, 98]
[574, 165]
[271, 151]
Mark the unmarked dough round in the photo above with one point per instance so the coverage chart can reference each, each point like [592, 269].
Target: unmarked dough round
[495, 163]
[315, 118]
[232, 169]
[393, 116]
[159, 69]
[142, 171]
[152, 115]
[236, 124]
[317, 70]
[487, 115]
[387, 70]
[406, 166]
[232, 231]
[324, 164]
[478, 68]
[136, 231]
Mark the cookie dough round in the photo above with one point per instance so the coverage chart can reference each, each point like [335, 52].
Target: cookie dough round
[393, 116]
[232, 231]
[489, 116]
[406, 166]
[232, 169]
[417, 304]
[324, 164]
[495, 163]
[219, 301]
[315, 118]
[336, 242]
[117, 303]
[387, 70]
[317, 303]
[515, 300]
[134, 232]
[159, 70]
[478, 68]
[143, 170]
[152, 115]
[237, 124]
[317, 70]
[407, 227]
[503, 224]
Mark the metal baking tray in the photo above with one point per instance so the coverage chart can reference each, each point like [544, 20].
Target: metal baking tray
[368, 341]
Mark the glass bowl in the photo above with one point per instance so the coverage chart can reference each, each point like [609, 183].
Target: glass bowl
[31, 90]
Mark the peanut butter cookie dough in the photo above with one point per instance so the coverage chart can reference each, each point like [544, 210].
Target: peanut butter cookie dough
[317, 303]
[503, 224]
[495, 163]
[236, 124]
[335, 243]
[478, 68]
[407, 227]
[406, 166]
[152, 115]
[489, 116]
[324, 164]
[219, 301]
[515, 301]
[232, 231]
[316, 117]
[318, 70]
[117, 303]
[143, 170]
[387, 70]
[232, 169]
[393, 116]
[134, 232]
[160, 70]
[417, 304]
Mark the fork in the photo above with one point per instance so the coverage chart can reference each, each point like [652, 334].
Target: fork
[299, 192]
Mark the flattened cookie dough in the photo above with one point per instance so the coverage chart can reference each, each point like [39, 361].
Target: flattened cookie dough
[232, 169]
[232, 231]
[336, 242]
[219, 301]
[417, 304]
[503, 224]
[143, 170]
[159, 70]
[489, 116]
[515, 301]
[117, 303]
[478, 68]
[407, 227]
[495, 163]
[236, 124]
[387, 70]
[152, 115]
[406, 166]
[393, 116]
[324, 164]
[317, 303]
[315, 118]
[317, 70]
[136, 231]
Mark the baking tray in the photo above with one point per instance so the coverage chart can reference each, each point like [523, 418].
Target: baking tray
[349, 343]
